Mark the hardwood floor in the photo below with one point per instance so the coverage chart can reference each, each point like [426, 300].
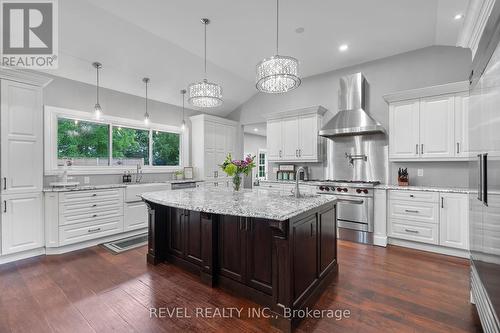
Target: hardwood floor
[385, 290]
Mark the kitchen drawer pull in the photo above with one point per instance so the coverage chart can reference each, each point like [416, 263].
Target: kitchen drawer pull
[300, 152]
[411, 211]
[94, 205]
[94, 194]
[95, 215]
[458, 147]
[422, 148]
[94, 230]
[4, 183]
[412, 196]
[412, 231]
[5, 206]
[416, 149]
[442, 202]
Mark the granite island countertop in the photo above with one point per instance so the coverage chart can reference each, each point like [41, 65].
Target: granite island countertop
[257, 203]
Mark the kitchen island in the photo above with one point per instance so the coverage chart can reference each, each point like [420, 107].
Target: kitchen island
[270, 247]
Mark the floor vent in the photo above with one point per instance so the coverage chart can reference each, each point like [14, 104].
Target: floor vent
[122, 245]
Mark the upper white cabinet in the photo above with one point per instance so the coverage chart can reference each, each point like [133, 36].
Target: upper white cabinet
[430, 127]
[21, 138]
[213, 138]
[293, 136]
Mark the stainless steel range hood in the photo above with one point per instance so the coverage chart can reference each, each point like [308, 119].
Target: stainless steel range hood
[351, 119]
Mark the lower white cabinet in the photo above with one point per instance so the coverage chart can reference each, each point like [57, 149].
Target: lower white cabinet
[135, 216]
[22, 222]
[429, 217]
[453, 220]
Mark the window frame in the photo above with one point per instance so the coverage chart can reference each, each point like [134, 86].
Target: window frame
[51, 115]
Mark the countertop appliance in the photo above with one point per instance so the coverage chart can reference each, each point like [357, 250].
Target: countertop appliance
[355, 213]
[484, 174]
[351, 118]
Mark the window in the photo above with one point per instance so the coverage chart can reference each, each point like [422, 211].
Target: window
[166, 148]
[130, 146]
[262, 164]
[85, 143]
[115, 143]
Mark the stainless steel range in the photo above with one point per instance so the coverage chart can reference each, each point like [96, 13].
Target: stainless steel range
[354, 208]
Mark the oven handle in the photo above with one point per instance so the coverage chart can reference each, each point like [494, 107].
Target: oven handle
[356, 202]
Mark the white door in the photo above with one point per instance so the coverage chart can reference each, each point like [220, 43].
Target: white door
[453, 223]
[308, 136]
[403, 129]
[290, 138]
[437, 139]
[21, 138]
[461, 125]
[274, 140]
[22, 222]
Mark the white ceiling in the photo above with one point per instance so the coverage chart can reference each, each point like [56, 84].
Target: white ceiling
[164, 39]
[256, 129]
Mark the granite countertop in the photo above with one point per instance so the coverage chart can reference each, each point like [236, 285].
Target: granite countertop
[107, 186]
[258, 203]
[442, 189]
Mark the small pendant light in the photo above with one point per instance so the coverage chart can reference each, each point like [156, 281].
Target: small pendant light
[146, 115]
[97, 106]
[183, 126]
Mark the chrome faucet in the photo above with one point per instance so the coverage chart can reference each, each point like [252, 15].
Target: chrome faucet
[297, 177]
[138, 174]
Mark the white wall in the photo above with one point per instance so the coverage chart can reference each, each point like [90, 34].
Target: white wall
[420, 68]
[252, 143]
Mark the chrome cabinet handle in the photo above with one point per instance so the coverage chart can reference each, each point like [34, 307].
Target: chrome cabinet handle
[356, 202]
[422, 148]
[416, 149]
[94, 230]
[411, 211]
[412, 196]
[94, 205]
[458, 147]
[412, 231]
[442, 202]
[4, 183]
[95, 215]
[296, 153]
[5, 206]
[94, 195]
[280, 153]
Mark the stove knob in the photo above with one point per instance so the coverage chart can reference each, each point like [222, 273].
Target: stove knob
[365, 191]
[344, 189]
[321, 188]
[339, 189]
[327, 188]
[358, 190]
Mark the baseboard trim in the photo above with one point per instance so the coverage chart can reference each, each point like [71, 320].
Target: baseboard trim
[430, 248]
[380, 240]
[22, 255]
[93, 242]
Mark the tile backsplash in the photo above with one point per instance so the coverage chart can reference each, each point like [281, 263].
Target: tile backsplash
[111, 179]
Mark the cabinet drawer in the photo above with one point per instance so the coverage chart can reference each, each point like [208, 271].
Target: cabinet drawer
[76, 208]
[414, 211]
[91, 196]
[89, 216]
[86, 231]
[414, 196]
[414, 231]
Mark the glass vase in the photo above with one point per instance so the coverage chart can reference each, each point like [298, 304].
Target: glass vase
[237, 182]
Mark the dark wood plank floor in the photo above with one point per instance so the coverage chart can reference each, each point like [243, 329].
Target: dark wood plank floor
[385, 290]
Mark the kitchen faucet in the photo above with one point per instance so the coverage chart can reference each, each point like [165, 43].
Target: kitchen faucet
[297, 176]
[352, 157]
[138, 174]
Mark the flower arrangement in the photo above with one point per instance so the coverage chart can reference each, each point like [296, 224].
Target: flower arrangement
[234, 168]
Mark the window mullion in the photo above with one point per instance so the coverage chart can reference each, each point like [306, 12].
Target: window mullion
[150, 155]
[110, 149]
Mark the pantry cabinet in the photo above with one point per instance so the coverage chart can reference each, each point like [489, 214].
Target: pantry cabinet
[430, 127]
[213, 139]
[293, 136]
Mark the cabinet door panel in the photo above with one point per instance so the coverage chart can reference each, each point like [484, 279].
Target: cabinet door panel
[192, 229]
[454, 220]
[308, 136]
[305, 255]
[290, 138]
[328, 239]
[437, 127]
[210, 131]
[175, 235]
[259, 255]
[22, 223]
[274, 140]
[210, 163]
[403, 129]
[232, 247]
[220, 137]
[231, 140]
[136, 216]
[461, 125]
[21, 131]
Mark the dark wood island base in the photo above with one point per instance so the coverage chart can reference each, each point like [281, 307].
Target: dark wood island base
[281, 265]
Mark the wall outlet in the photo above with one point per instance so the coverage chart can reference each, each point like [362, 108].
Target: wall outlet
[420, 172]
[86, 180]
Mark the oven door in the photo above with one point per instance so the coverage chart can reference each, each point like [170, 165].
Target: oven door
[355, 213]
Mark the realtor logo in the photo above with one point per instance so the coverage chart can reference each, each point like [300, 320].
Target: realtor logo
[29, 33]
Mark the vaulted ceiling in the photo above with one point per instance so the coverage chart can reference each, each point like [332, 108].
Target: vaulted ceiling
[164, 39]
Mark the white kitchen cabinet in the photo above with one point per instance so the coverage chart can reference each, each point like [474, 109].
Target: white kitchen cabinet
[404, 129]
[135, 216]
[462, 125]
[437, 127]
[453, 227]
[22, 222]
[21, 138]
[213, 138]
[293, 136]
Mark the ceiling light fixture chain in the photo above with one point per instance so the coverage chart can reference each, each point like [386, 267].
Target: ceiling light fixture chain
[97, 106]
[146, 115]
[183, 92]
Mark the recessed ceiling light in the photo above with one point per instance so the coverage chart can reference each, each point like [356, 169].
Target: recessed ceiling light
[299, 30]
[343, 47]
[458, 16]
[256, 129]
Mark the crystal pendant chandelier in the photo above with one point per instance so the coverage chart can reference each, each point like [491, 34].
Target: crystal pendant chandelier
[146, 115]
[97, 106]
[205, 94]
[277, 74]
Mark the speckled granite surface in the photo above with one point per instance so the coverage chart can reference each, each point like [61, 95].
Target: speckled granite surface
[259, 203]
[424, 188]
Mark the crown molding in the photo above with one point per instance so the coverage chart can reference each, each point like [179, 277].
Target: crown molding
[476, 16]
[24, 76]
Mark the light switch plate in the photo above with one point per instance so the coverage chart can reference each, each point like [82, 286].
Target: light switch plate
[86, 180]
[420, 172]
